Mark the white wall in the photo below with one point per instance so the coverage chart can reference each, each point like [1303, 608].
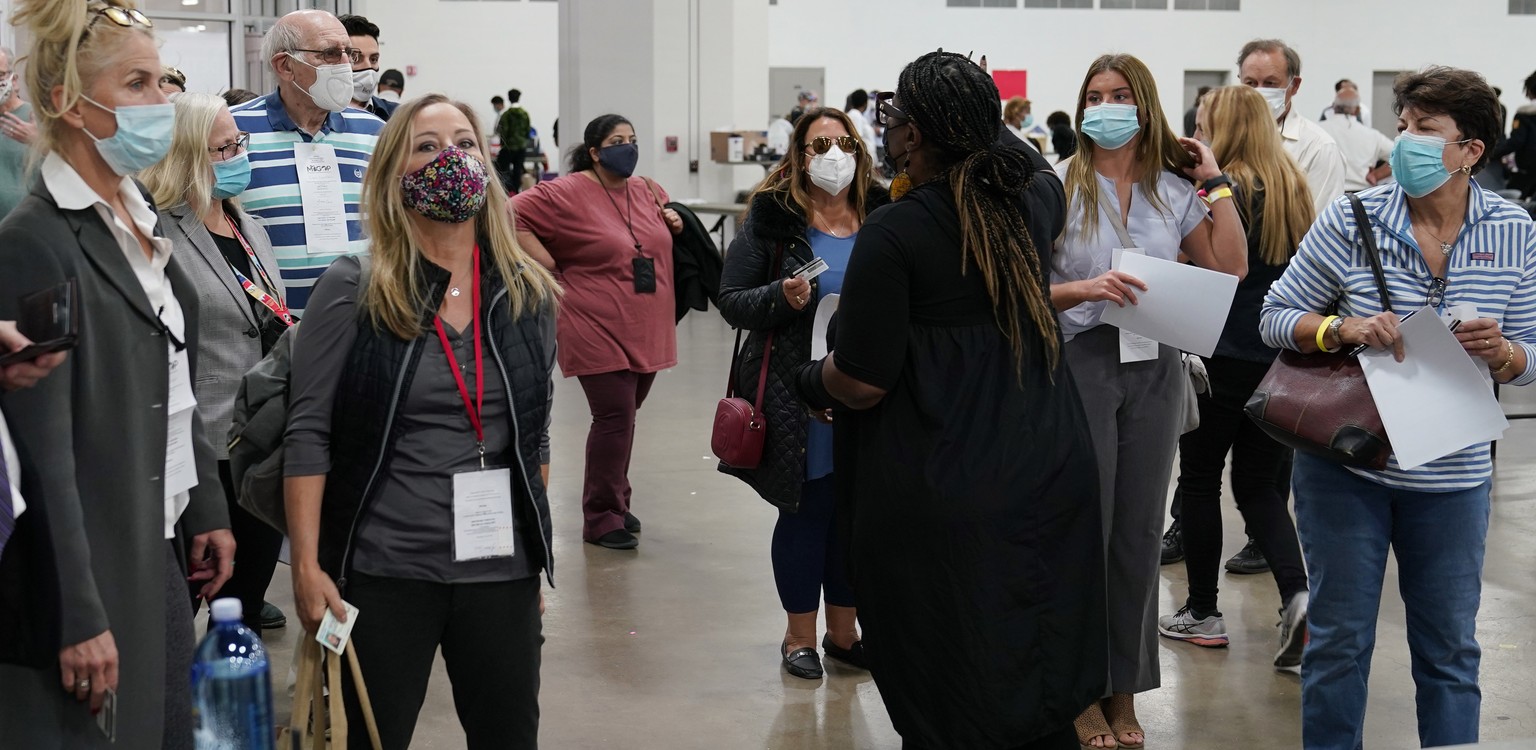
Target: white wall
[1336, 39]
[475, 50]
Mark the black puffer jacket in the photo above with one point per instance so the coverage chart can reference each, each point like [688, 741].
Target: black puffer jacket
[752, 298]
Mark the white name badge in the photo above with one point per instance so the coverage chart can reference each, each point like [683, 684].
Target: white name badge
[325, 207]
[180, 461]
[482, 515]
[1133, 347]
[180, 397]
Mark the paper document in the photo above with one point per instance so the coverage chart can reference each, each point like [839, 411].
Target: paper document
[1184, 306]
[1434, 402]
[824, 310]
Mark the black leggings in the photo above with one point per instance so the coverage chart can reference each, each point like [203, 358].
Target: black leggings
[1256, 464]
[809, 561]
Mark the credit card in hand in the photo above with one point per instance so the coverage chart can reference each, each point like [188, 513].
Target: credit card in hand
[332, 634]
[811, 270]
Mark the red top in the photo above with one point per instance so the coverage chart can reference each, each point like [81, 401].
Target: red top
[604, 324]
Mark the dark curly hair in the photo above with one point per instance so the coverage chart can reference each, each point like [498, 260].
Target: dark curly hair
[597, 131]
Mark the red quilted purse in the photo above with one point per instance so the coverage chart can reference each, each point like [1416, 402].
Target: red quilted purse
[740, 425]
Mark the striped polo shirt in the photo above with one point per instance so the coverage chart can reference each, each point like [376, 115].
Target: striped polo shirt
[273, 195]
[1492, 267]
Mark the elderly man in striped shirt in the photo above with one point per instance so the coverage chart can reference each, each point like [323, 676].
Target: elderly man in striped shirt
[308, 149]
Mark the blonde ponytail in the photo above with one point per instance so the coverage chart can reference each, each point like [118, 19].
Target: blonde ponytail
[70, 46]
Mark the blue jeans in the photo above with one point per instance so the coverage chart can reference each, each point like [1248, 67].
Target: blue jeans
[1346, 524]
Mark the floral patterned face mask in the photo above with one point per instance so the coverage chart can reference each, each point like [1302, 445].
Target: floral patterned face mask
[449, 188]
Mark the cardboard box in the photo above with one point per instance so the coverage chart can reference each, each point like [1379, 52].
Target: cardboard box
[735, 145]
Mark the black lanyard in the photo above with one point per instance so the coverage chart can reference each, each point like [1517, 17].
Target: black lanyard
[629, 222]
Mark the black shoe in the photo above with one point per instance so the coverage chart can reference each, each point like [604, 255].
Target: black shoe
[1173, 543]
[852, 656]
[631, 523]
[802, 662]
[272, 618]
[617, 539]
[1248, 561]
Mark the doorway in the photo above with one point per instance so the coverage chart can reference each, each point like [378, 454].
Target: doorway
[785, 85]
[1381, 102]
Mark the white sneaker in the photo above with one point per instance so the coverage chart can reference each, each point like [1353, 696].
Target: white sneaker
[1293, 634]
[1210, 632]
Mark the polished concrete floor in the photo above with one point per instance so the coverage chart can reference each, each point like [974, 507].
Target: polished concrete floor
[674, 645]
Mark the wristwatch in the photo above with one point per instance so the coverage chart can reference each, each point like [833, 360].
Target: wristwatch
[1336, 327]
[1215, 182]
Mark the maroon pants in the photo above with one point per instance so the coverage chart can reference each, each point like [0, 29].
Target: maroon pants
[613, 397]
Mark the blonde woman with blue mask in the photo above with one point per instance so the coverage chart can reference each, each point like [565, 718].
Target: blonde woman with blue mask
[1129, 161]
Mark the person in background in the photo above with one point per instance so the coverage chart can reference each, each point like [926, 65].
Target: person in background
[240, 304]
[857, 109]
[1272, 67]
[803, 101]
[308, 114]
[117, 471]
[453, 307]
[1129, 162]
[1450, 245]
[810, 206]
[1271, 196]
[1521, 142]
[172, 81]
[1063, 137]
[1017, 117]
[1189, 115]
[497, 105]
[1364, 148]
[365, 69]
[16, 125]
[391, 86]
[1503, 110]
[1346, 103]
[992, 636]
[512, 128]
[236, 97]
[601, 231]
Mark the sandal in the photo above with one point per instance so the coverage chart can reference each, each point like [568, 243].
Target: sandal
[1122, 720]
[1091, 724]
[802, 662]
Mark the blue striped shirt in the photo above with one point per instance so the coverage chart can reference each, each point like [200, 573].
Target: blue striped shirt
[1492, 267]
[273, 195]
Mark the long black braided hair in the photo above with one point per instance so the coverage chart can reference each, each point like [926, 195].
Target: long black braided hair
[956, 106]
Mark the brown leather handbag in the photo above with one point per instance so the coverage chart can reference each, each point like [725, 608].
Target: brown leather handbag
[740, 425]
[1319, 403]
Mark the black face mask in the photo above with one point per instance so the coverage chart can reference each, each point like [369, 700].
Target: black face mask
[892, 164]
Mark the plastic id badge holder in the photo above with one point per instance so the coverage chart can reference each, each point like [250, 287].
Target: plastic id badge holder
[482, 515]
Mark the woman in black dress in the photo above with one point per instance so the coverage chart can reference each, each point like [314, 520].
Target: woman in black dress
[963, 455]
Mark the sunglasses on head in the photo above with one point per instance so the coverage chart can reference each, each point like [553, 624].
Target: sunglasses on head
[125, 17]
[822, 144]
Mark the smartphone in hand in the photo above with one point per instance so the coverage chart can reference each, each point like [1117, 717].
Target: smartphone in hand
[51, 319]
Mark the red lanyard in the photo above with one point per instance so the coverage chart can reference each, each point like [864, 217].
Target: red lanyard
[267, 297]
[476, 407]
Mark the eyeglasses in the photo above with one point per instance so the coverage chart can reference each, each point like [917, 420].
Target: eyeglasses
[231, 150]
[886, 110]
[1436, 294]
[125, 17]
[336, 55]
[822, 144]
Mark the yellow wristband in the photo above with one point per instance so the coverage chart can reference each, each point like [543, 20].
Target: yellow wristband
[1322, 330]
[1215, 195]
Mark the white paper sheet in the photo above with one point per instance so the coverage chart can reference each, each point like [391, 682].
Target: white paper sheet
[1434, 402]
[1184, 306]
[824, 310]
[325, 206]
[482, 515]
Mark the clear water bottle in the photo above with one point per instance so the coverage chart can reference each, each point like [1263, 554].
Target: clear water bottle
[231, 689]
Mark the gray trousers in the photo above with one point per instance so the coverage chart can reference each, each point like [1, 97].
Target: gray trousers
[1135, 412]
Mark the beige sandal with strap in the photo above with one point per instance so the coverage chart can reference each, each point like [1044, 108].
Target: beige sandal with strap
[1120, 709]
[1091, 724]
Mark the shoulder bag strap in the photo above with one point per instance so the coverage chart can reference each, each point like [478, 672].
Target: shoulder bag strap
[1368, 240]
[730, 385]
[1112, 210]
[655, 195]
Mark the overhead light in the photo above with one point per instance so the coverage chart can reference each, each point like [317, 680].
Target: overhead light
[190, 2]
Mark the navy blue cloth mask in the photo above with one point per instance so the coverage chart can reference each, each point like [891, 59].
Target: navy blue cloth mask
[620, 159]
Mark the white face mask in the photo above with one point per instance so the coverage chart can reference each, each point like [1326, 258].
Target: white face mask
[390, 95]
[363, 84]
[332, 89]
[7, 87]
[833, 171]
[1276, 99]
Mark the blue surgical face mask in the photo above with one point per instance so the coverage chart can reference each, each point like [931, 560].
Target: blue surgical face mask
[1111, 126]
[231, 176]
[143, 136]
[1418, 163]
[1029, 122]
[620, 159]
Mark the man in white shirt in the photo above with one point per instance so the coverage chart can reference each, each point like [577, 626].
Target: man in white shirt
[1363, 146]
[857, 108]
[1346, 91]
[20, 375]
[1273, 68]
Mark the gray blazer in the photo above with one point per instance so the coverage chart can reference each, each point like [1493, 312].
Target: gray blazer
[90, 552]
[229, 334]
